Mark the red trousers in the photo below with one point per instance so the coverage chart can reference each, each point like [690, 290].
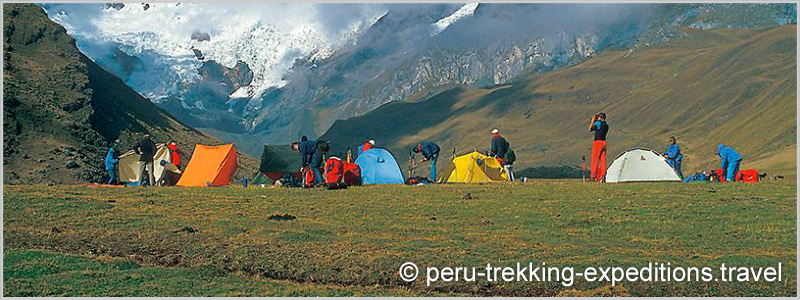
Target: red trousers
[598, 160]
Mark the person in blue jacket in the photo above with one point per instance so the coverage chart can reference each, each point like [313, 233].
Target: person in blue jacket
[430, 152]
[499, 146]
[674, 155]
[311, 157]
[111, 165]
[730, 161]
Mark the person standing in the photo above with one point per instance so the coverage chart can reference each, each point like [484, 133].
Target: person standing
[731, 161]
[146, 149]
[501, 150]
[499, 146]
[311, 157]
[430, 152]
[674, 156]
[600, 128]
[111, 165]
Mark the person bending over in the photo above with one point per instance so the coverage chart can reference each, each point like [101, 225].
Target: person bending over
[430, 152]
[730, 161]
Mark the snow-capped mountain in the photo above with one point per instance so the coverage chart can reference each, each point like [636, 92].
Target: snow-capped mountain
[275, 72]
[170, 42]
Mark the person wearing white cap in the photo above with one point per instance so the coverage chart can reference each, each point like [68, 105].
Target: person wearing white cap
[499, 150]
[368, 145]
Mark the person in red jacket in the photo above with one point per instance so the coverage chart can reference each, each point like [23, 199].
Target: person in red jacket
[368, 145]
[174, 153]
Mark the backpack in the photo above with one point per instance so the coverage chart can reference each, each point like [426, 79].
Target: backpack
[334, 170]
[308, 178]
[323, 146]
[511, 157]
[352, 174]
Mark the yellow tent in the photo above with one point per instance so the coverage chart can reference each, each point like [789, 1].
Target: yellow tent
[474, 167]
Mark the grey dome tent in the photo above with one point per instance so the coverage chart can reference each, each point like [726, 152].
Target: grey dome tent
[640, 164]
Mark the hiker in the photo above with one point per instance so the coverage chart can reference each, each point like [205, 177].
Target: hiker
[730, 161]
[174, 153]
[111, 165]
[368, 145]
[429, 151]
[146, 149]
[311, 157]
[674, 156]
[171, 174]
[600, 128]
[501, 150]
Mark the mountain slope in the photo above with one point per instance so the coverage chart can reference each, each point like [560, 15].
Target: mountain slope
[62, 111]
[496, 45]
[720, 86]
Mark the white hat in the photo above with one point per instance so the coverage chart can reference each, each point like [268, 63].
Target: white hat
[495, 130]
[372, 142]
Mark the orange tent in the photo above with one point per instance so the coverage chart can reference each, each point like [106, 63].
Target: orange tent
[210, 165]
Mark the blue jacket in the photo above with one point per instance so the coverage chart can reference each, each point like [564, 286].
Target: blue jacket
[727, 154]
[499, 146]
[307, 150]
[428, 149]
[674, 152]
[111, 159]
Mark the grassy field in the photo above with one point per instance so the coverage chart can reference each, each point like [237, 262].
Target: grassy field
[62, 240]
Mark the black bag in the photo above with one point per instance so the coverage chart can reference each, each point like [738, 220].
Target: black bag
[290, 181]
[336, 185]
[510, 157]
[323, 146]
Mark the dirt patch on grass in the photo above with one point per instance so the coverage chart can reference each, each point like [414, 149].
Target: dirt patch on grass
[603, 291]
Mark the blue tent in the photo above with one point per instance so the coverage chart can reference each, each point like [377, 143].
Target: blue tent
[379, 166]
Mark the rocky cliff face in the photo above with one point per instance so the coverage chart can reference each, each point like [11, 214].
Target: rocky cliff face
[61, 111]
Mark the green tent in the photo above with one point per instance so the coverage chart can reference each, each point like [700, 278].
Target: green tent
[277, 160]
[261, 179]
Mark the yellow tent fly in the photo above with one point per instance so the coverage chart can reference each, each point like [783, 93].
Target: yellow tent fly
[474, 167]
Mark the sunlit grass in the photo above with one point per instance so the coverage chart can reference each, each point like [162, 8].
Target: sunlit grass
[360, 236]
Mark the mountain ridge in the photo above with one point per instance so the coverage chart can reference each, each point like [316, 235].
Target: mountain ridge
[719, 86]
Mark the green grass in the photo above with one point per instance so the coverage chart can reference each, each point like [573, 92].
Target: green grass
[42, 273]
[359, 237]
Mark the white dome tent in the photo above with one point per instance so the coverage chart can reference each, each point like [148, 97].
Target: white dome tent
[640, 164]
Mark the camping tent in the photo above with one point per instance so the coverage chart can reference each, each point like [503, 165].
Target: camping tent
[640, 164]
[474, 167]
[379, 166]
[277, 160]
[259, 179]
[210, 165]
[129, 164]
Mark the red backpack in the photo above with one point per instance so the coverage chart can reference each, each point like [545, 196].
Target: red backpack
[308, 178]
[749, 175]
[334, 170]
[720, 175]
[352, 174]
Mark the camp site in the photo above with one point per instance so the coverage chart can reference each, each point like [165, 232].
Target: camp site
[145, 157]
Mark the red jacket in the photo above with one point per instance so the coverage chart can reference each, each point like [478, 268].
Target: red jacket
[174, 154]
